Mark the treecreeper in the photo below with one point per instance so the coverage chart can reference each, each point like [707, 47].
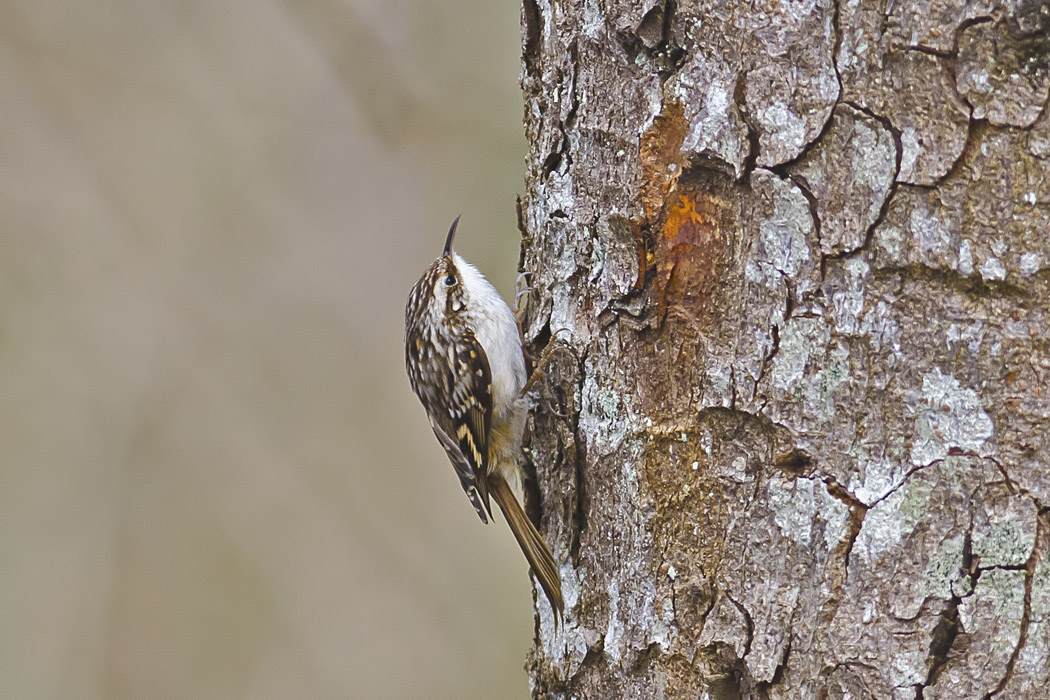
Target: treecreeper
[465, 362]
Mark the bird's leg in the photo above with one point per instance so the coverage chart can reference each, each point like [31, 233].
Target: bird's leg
[540, 370]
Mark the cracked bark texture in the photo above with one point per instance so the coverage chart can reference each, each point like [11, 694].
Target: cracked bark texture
[797, 441]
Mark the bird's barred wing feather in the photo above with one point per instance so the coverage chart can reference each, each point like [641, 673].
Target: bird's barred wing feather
[462, 425]
[470, 412]
[464, 470]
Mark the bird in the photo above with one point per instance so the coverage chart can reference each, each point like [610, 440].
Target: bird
[465, 362]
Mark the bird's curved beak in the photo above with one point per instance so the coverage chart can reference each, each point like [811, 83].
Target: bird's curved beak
[451, 235]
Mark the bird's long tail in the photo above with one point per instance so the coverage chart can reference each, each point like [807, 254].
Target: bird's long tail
[529, 540]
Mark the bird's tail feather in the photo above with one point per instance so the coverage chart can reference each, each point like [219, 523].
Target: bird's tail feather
[530, 541]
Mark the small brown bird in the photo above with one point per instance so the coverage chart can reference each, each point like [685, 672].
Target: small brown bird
[465, 363]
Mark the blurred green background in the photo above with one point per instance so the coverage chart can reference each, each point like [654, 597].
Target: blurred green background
[214, 479]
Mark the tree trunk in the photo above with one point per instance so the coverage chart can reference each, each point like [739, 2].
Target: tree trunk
[798, 442]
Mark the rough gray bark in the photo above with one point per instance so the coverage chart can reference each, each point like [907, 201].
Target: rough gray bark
[800, 447]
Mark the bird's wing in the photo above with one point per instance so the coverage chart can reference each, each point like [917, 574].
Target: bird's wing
[463, 427]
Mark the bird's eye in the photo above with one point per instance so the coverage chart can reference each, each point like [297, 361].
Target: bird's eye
[450, 281]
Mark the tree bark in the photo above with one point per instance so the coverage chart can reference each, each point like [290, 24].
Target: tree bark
[798, 442]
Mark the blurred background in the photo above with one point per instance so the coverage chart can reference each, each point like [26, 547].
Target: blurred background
[215, 481]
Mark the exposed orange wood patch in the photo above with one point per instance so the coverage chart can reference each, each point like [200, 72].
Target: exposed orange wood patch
[690, 253]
